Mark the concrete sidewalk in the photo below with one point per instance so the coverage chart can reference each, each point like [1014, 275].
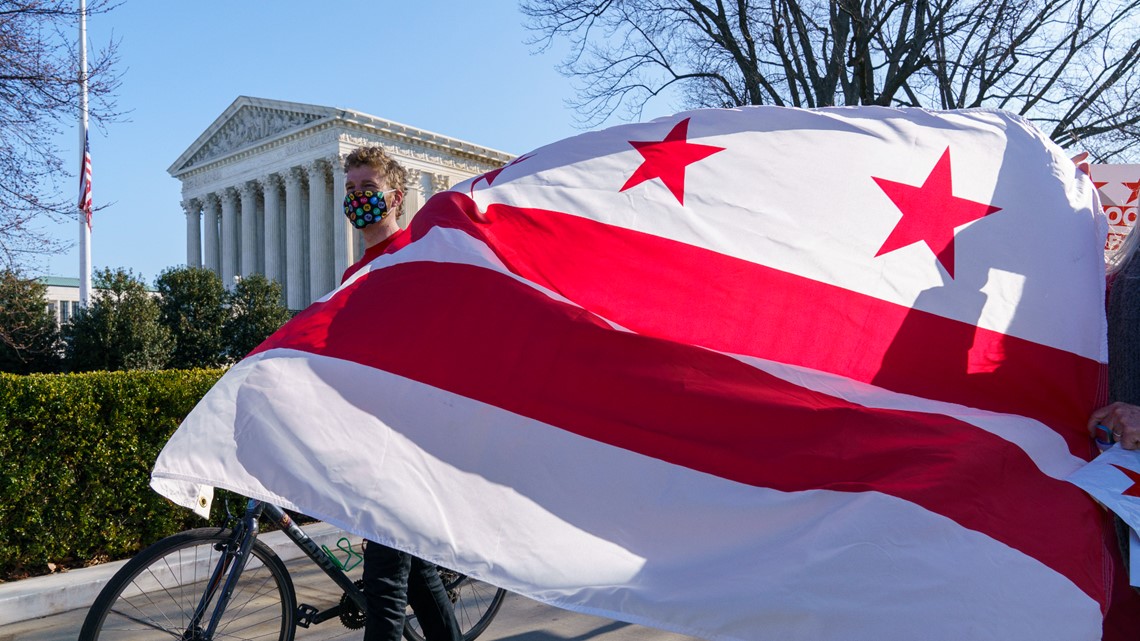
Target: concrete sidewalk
[52, 608]
[44, 596]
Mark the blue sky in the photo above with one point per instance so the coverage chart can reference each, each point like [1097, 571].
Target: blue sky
[455, 67]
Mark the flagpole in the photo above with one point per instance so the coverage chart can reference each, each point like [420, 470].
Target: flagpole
[84, 220]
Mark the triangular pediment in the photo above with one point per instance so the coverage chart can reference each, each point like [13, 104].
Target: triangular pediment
[247, 123]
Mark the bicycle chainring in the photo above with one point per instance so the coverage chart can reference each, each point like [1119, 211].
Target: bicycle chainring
[451, 580]
[351, 616]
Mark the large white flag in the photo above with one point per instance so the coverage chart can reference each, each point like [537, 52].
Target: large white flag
[757, 373]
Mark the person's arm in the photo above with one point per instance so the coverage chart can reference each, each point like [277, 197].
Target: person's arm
[1122, 420]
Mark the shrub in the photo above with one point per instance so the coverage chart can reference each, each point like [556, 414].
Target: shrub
[76, 452]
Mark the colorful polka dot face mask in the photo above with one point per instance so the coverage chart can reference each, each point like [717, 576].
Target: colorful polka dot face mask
[366, 207]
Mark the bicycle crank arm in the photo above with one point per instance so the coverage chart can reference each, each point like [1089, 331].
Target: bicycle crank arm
[308, 615]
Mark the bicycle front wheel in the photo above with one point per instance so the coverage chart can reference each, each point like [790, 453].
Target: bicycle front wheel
[475, 604]
[156, 594]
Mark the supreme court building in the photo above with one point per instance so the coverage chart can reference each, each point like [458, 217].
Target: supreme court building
[262, 189]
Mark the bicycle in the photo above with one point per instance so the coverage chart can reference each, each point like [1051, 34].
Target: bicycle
[210, 584]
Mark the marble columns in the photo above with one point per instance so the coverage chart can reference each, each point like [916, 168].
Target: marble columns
[288, 225]
[210, 253]
[249, 246]
[274, 224]
[193, 208]
[296, 260]
[320, 230]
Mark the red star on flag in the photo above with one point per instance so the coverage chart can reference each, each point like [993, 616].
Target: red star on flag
[667, 159]
[1135, 189]
[490, 176]
[930, 213]
[1132, 476]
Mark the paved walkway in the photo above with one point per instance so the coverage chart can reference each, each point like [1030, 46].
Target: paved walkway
[520, 619]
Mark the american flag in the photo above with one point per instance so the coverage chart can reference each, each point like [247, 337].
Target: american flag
[85, 182]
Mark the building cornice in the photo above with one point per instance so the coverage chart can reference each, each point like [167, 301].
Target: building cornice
[353, 128]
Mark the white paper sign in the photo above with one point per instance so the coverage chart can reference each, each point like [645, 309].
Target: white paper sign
[1119, 187]
[1113, 479]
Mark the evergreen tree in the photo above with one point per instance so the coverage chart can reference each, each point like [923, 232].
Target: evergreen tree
[120, 329]
[29, 338]
[255, 313]
[192, 304]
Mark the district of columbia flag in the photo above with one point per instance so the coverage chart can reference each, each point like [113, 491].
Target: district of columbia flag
[85, 182]
[743, 374]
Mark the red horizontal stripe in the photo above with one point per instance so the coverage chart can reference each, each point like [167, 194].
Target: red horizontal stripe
[483, 335]
[660, 287]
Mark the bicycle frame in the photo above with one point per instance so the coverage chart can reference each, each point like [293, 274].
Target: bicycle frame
[307, 614]
[233, 562]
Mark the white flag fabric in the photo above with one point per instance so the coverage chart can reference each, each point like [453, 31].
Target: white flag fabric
[757, 373]
[1113, 478]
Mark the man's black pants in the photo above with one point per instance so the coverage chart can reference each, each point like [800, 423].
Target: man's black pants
[394, 580]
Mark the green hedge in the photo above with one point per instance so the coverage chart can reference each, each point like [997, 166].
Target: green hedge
[75, 457]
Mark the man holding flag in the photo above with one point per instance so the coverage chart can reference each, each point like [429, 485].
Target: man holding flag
[374, 193]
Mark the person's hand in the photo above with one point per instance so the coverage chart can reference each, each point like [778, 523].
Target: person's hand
[1081, 160]
[1122, 420]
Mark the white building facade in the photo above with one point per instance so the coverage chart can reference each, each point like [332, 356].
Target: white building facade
[262, 189]
[62, 297]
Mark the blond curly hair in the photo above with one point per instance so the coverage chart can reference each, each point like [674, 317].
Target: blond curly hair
[375, 157]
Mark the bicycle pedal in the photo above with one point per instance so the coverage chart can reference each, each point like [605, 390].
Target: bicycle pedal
[305, 614]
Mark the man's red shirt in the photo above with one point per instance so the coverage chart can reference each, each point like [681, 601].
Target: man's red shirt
[372, 252]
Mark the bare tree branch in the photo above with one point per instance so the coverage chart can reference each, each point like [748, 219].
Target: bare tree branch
[1069, 65]
[39, 97]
